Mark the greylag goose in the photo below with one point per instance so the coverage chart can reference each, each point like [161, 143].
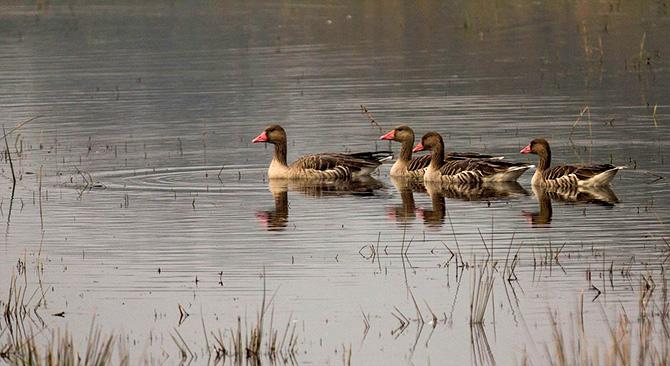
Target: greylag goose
[406, 166]
[467, 170]
[317, 166]
[562, 176]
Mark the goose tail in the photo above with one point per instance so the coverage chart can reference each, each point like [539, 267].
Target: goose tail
[602, 179]
[379, 156]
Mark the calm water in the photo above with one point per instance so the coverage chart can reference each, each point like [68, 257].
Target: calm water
[156, 105]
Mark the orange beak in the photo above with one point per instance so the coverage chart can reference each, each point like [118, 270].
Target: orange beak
[525, 150]
[418, 147]
[389, 136]
[263, 137]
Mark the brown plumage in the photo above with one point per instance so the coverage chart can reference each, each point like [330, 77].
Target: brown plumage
[405, 165]
[564, 176]
[466, 170]
[317, 166]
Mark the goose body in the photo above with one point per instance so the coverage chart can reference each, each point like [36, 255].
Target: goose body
[565, 176]
[414, 167]
[460, 171]
[317, 166]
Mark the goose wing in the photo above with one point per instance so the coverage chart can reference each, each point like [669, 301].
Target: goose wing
[455, 167]
[328, 161]
[419, 163]
[487, 170]
[468, 155]
[482, 167]
[582, 172]
[590, 171]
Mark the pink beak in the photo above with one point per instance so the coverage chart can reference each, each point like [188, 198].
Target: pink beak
[263, 137]
[418, 147]
[389, 136]
[525, 150]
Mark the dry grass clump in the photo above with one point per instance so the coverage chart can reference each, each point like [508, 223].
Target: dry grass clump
[480, 292]
[60, 350]
[257, 341]
[641, 341]
[25, 338]
[22, 339]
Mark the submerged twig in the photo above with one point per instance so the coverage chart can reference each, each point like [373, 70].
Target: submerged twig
[374, 123]
[9, 157]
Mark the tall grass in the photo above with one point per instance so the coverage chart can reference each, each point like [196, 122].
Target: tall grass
[481, 288]
[257, 341]
[643, 340]
[22, 331]
[25, 339]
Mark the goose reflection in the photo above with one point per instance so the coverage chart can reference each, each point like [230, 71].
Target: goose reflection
[433, 217]
[483, 191]
[438, 192]
[277, 218]
[602, 196]
[405, 212]
[465, 192]
[408, 211]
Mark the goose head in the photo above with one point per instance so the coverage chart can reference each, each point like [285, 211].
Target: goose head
[538, 147]
[273, 134]
[429, 141]
[401, 133]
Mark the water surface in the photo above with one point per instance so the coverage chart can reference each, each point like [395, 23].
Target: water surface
[152, 195]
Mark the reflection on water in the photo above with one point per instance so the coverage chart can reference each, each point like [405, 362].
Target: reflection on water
[406, 211]
[433, 217]
[480, 348]
[482, 192]
[601, 196]
[277, 218]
